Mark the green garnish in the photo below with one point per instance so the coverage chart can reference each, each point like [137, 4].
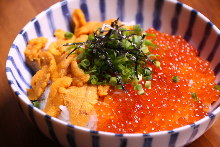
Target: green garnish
[148, 84]
[175, 79]
[68, 35]
[157, 63]
[217, 87]
[141, 92]
[134, 82]
[194, 96]
[148, 78]
[149, 43]
[147, 72]
[116, 56]
[36, 104]
[84, 63]
[145, 49]
[93, 79]
[91, 37]
[138, 87]
[113, 81]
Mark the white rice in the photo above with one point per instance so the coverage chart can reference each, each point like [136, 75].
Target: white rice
[64, 115]
[43, 97]
[92, 123]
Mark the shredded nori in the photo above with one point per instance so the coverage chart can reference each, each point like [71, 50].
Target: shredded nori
[107, 47]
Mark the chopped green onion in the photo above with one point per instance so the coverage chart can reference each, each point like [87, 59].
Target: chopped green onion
[94, 81]
[175, 79]
[134, 82]
[68, 35]
[152, 55]
[84, 63]
[91, 71]
[125, 72]
[149, 43]
[125, 43]
[150, 35]
[91, 37]
[113, 81]
[136, 39]
[121, 67]
[217, 87]
[113, 36]
[145, 49]
[138, 87]
[157, 63]
[36, 104]
[141, 92]
[148, 84]
[147, 72]
[148, 78]
[137, 29]
[116, 52]
[93, 77]
[194, 96]
[122, 60]
[125, 32]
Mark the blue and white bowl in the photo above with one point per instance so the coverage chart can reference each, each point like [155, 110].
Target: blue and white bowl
[164, 15]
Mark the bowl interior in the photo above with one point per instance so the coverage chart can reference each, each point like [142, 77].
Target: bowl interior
[166, 16]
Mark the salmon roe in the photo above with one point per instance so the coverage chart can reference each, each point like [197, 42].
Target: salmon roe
[167, 105]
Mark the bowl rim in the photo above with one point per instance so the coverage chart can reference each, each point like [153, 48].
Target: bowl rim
[22, 98]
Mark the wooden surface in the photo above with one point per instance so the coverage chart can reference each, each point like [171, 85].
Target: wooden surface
[15, 129]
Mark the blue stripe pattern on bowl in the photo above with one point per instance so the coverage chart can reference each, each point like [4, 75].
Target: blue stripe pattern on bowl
[174, 23]
[102, 9]
[50, 19]
[70, 137]
[188, 33]
[120, 9]
[84, 7]
[139, 16]
[19, 82]
[148, 142]
[25, 35]
[51, 128]
[173, 138]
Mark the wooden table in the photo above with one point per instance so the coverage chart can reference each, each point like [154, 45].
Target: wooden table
[15, 129]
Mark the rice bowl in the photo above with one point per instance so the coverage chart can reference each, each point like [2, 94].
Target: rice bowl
[177, 135]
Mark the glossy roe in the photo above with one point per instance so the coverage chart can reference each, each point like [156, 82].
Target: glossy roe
[167, 105]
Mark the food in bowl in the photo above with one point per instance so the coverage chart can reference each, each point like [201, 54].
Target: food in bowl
[158, 83]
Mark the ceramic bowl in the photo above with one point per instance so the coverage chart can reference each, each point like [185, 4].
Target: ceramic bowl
[164, 15]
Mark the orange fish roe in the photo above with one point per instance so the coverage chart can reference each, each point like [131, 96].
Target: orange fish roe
[167, 104]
